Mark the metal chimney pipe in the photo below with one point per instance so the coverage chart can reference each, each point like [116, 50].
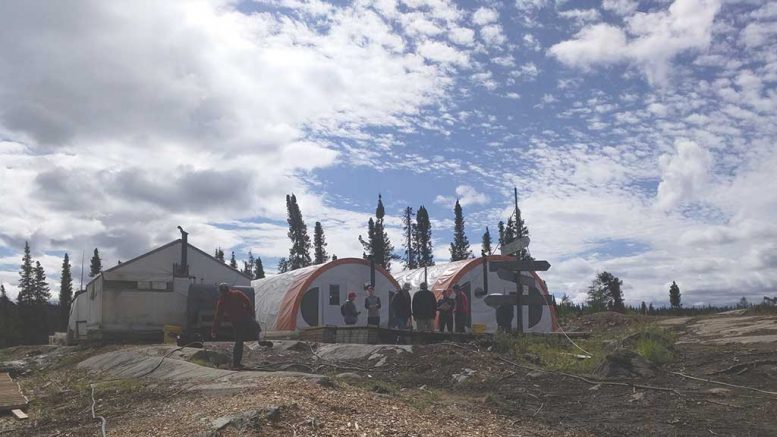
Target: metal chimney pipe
[184, 267]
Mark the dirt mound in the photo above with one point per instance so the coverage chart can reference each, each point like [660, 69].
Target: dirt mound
[624, 363]
[605, 321]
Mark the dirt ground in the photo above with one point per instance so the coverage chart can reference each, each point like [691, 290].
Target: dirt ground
[443, 389]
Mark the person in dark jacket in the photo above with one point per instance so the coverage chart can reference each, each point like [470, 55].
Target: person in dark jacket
[372, 304]
[445, 307]
[401, 307]
[461, 311]
[424, 309]
[348, 310]
[240, 312]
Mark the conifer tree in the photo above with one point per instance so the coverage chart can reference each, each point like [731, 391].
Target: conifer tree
[486, 243]
[521, 231]
[233, 261]
[95, 265]
[258, 268]
[501, 228]
[605, 293]
[378, 244]
[283, 265]
[674, 296]
[319, 245]
[299, 253]
[248, 266]
[423, 238]
[650, 308]
[460, 246]
[42, 292]
[509, 233]
[9, 321]
[643, 308]
[334, 257]
[219, 255]
[408, 227]
[65, 292]
[26, 284]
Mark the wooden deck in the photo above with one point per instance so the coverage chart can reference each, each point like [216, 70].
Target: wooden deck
[11, 396]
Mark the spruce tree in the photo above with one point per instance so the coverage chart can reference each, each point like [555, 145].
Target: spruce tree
[319, 245]
[334, 257]
[509, 233]
[299, 253]
[605, 293]
[501, 228]
[219, 255]
[377, 243]
[283, 265]
[10, 334]
[674, 296]
[258, 268]
[486, 242]
[408, 227]
[643, 308]
[42, 291]
[95, 265]
[65, 292]
[423, 238]
[233, 261]
[521, 231]
[460, 246]
[248, 266]
[26, 284]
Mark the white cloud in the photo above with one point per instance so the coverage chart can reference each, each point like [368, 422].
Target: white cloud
[531, 5]
[620, 7]
[195, 114]
[650, 40]
[580, 15]
[492, 35]
[758, 34]
[484, 16]
[684, 175]
[466, 194]
[462, 36]
[440, 52]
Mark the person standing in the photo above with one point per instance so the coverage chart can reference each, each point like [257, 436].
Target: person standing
[424, 309]
[240, 312]
[445, 307]
[348, 310]
[401, 307]
[461, 311]
[372, 304]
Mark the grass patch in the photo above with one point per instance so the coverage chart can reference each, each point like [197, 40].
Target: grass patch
[555, 352]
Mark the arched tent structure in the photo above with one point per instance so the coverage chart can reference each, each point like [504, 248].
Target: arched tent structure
[539, 314]
[312, 296]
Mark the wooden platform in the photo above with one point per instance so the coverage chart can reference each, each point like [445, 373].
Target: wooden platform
[11, 396]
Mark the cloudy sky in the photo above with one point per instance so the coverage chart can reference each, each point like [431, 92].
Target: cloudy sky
[641, 135]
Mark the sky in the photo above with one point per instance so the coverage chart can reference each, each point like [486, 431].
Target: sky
[641, 136]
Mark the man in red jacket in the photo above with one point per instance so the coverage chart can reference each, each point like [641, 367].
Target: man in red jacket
[461, 311]
[240, 311]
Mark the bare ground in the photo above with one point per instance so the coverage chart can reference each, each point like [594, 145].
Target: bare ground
[402, 393]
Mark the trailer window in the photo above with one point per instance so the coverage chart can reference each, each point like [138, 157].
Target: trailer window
[334, 295]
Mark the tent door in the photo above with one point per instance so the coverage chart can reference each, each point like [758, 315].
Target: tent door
[310, 307]
[80, 328]
[467, 287]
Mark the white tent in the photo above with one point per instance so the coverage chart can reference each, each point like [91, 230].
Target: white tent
[312, 296]
[538, 316]
[138, 297]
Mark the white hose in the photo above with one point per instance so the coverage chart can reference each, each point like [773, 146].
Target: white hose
[94, 416]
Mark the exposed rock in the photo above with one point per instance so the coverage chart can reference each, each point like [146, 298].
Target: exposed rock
[532, 358]
[345, 375]
[719, 392]
[247, 421]
[624, 363]
[214, 358]
[326, 382]
[463, 376]
[535, 374]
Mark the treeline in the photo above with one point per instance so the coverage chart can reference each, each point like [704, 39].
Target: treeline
[417, 242]
[605, 294]
[31, 319]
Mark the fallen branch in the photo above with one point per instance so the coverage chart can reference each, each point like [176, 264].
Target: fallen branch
[744, 366]
[710, 381]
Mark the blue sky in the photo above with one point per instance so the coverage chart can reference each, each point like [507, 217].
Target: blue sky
[640, 134]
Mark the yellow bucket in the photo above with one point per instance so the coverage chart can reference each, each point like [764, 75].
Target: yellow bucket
[478, 328]
[171, 333]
